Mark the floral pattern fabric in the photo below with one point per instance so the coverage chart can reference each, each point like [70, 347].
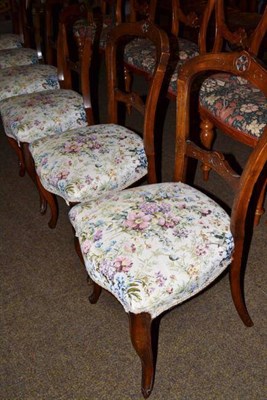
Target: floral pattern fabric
[32, 116]
[85, 163]
[236, 102]
[27, 79]
[15, 57]
[10, 41]
[141, 54]
[80, 26]
[153, 246]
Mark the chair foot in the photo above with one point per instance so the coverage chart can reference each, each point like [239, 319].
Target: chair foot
[96, 293]
[48, 198]
[141, 337]
[238, 298]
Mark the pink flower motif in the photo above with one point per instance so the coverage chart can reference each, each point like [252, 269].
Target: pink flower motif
[122, 264]
[137, 220]
[86, 245]
[72, 147]
[62, 175]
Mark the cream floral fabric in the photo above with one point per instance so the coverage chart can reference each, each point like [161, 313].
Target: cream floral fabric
[85, 163]
[15, 57]
[10, 41]
[27, 79]
[32, 116]
[236, 102]
[153, 246]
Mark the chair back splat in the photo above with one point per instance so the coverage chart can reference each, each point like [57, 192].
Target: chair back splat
[142, 29]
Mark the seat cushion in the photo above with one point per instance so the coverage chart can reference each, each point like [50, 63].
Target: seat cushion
[153, 246]
[15, 57]
[235, 102]
[27, 79]
[141, 54]
[31, 116]
[100, 30]
[85, 163]
[10, 41]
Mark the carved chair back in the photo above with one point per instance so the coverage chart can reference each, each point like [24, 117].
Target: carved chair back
[119, 95]
[75, 52]
[244, 186]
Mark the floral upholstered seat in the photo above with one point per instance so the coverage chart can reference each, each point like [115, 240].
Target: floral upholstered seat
[236, 102]
[16, 57]
[10, 41]
[31, 116]
[101, 35]
[87, 162]
[140, 54]
[155, 246]
[27, 79]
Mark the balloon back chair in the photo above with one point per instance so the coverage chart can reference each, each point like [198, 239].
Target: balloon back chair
[155, 246]
[233, 106]
[12, 53]
[34, 115]
[87, 163]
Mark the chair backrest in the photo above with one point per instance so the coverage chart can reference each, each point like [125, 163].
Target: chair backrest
[117, 94]
[246, 66]
[214, 15]
[142, 9]
[258, 36]
[75, 53]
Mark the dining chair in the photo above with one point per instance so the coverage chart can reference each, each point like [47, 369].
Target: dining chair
[31, 51]
[24, 79]
[14, 39]
[233, 106]
[34, 115]
[155, 246]
[86, 163]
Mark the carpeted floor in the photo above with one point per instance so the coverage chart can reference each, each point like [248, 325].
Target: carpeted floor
[56, 346]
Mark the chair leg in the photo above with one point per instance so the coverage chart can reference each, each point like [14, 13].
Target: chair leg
[236, 284]
[207, 136]
[260, 209]
[49, 198]
[141, 337]
[13, 143]
[30, 168]
[96, 293]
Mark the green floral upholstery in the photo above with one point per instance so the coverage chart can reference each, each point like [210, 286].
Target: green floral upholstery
[10, 41]
[27, 79]
[16, 57]
[153, 246]
[31, 116]
[236, 102]
[140, 54]
[85, 163]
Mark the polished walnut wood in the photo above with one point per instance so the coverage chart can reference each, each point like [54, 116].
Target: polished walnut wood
[242, 185]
